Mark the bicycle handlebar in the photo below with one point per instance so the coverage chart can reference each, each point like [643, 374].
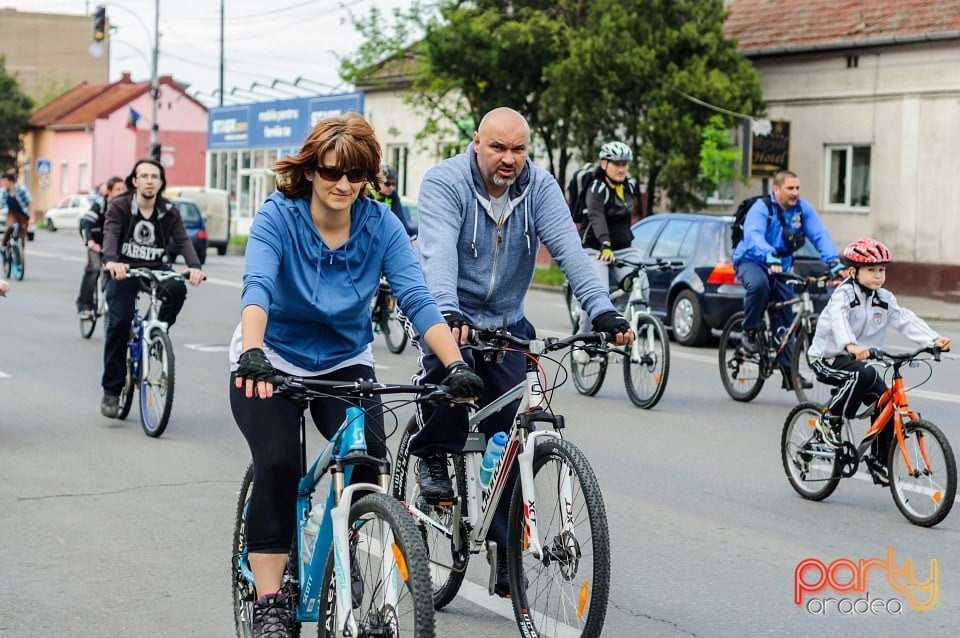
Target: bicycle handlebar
[900, 357]
[300, 388]
[488, 338]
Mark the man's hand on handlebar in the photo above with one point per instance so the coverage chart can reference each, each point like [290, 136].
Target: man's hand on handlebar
[193, 275]
[462, 382]
[614, 323]
[458, 325]
[117, 270]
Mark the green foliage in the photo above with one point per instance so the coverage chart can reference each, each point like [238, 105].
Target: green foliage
[718, 158]
[548, 275]
[15, 108]
[582, 72]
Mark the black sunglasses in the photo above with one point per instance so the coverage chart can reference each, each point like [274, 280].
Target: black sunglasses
[334, 174]
[389, 183]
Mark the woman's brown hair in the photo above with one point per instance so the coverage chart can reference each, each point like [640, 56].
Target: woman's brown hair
[352, 140]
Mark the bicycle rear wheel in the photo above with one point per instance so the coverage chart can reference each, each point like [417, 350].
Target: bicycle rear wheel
[390, 580]
[739, 371]
[926, 495]
[125, 400]
[647, 364]
[801, 371]
[393, 332]
[156, 384]
[589, 374]
[7, 264]
[16, 259]
[573, 307]
[243, 589]
[565, 592]
[812, 466]
[89, 322]
[447, 566]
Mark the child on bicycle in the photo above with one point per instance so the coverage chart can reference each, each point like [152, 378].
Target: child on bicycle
[855, 320]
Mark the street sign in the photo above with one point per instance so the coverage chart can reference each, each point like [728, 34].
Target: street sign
[43, 167]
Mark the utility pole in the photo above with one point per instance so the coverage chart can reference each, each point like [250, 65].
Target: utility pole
[155, 84]
[221, 52]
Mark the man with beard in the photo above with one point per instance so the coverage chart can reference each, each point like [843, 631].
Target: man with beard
[483, 215]
[136, 230]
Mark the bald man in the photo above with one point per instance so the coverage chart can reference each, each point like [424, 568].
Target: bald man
[483, 215]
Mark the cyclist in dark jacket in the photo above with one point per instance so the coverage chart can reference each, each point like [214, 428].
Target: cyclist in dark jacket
[91, 230]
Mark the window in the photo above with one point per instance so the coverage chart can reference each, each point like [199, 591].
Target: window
[65, 178]
[84, 177]
[672, 238]
[644, 232]
[848, 176]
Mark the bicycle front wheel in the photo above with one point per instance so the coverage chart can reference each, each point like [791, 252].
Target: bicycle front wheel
[7, 264]
[243, 589]
[590, 371]
[647, 365]
[447, 565]
[16, 259]
[393, 332]
[924, 491]
[156, 384]
[565, 591]
[388, 574]
[811, 464]
[802, 373]
[87, 324]
[739, 370]
[126, 394]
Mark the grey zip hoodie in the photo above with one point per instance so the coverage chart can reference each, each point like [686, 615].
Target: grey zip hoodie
[483, 269]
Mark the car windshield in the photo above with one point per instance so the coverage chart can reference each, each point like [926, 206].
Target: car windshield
[189, 212]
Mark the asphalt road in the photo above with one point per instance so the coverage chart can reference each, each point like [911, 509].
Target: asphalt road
[106, 532]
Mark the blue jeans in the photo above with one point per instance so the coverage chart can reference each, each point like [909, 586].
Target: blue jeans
[762, 289]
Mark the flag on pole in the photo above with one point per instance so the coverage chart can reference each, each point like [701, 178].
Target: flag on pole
[132, 118]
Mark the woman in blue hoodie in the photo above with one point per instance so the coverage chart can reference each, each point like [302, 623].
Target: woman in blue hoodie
[314, 258]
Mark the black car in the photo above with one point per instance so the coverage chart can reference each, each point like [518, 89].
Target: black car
[195, 227]
[694, 290]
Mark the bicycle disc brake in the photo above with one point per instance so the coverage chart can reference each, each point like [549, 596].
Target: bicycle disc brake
[848, 460]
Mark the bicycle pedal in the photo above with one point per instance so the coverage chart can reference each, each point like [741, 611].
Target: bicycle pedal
[440, 502]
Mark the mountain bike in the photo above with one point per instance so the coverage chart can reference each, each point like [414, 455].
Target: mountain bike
[743, 373]
[383, 312]
[646, 364]
[88, 321]
[13, 261]
[367, 573]
[920, 469]
[558, 548]
[150, 361]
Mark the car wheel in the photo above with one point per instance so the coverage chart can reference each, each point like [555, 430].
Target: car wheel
[686, 320]
[50, 226]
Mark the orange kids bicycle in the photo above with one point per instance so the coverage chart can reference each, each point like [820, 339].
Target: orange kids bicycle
[921, 470]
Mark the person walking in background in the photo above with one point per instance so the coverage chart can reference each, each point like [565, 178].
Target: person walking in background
[775, 227]
[91, 230]
[316, 252]
[483, 215]
[136, 229]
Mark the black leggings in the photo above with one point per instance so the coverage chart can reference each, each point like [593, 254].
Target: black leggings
[272, 430]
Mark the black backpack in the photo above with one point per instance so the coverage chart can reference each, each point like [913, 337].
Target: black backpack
[577, 191]
[736, 232]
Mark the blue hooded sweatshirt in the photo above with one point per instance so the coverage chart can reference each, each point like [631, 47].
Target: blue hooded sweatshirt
[482, 268]
[318, 300]
[763, 233]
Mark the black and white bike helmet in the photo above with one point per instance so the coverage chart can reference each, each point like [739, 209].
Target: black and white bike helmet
[616, 151]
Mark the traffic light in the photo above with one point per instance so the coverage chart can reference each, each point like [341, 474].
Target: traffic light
[100, 23]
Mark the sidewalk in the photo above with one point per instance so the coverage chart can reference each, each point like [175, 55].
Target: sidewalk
[931, 308]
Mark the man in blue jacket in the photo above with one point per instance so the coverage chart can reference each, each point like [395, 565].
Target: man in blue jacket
[483, 215]
[774, 228]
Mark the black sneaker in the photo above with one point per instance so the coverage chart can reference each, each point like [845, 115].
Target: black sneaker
[110, 406]
[502, 586]
[878, 470]
[787, 383]
[749, 342]
[356, 576]
[434, 480]
[829, 427]
[271, 616]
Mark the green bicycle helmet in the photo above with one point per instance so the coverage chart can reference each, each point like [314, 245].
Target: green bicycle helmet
[616, 151]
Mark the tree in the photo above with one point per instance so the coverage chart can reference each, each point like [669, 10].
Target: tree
[581, 71]
[15, 109]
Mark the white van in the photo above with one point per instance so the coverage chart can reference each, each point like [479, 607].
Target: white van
[214, 205]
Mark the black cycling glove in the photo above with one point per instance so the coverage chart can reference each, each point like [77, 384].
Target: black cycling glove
[454, 319]
[253, 364]
[612, 322]
[462, 382]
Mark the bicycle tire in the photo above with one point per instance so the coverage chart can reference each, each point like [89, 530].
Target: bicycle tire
[812, 466]
[589, 376]
[577, 573]
[157, 383]
[800, 370]
[7, 264]
[125, 400]
[573, 307]
[739, 371]
[244, 593]
[647, 364]
[413, 613]
[87, 324]
[16, 259]
[447, 567]
[926, 497]
[390, 324]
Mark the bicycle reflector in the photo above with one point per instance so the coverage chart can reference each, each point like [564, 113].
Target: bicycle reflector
[721, 274]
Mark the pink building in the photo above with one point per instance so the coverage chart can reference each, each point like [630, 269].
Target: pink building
[97, 130]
